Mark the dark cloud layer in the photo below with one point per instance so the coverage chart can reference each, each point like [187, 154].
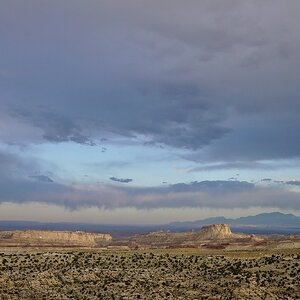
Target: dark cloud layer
[18, 186]
[56, 128]
[221, 79]
[220, 186]
[19, 181]
[218, 81]
[293, 182]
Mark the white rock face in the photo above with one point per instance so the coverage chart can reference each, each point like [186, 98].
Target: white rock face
[215, 232]
[67, 238]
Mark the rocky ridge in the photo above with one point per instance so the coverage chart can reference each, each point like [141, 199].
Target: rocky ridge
[53, 238]
[216, 233]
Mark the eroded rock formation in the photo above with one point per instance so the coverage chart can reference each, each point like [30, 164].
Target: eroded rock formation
[210, 235]
[215, 232]
[54, 238]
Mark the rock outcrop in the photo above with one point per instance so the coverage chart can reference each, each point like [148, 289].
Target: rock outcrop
[163, 239]
[54, 238]
[215, 232]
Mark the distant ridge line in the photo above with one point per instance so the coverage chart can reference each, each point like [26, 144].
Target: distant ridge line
[274, 222]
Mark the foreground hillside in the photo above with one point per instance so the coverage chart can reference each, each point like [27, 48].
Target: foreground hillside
[152, 274]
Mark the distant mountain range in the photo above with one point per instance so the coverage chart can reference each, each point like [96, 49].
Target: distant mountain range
[276, 221]
[262, 223]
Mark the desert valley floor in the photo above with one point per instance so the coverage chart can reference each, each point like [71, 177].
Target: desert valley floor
[148, 274]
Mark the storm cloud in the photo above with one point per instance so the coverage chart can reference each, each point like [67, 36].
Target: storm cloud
[209, 194]
[224, 78]
[214, 86]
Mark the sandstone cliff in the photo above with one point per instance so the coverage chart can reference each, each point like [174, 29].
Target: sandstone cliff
[215, 232]
[54, 238]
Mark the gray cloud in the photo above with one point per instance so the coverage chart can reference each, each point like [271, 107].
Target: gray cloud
[56, 128]
[42, 178]
[232, 165]
[222, 82]
[17, 187]
[16, 184]
[293, 182]
[247, 164]
[279, 181]
[220, 186]
[260, 138]
[109, 197]
[219, 81]
[122, 180]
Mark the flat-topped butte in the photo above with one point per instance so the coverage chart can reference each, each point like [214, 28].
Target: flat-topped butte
[53, 238]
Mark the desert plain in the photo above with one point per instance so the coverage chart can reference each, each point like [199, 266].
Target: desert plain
[158, 265]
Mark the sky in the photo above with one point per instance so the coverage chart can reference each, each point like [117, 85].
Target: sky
[146, 112]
